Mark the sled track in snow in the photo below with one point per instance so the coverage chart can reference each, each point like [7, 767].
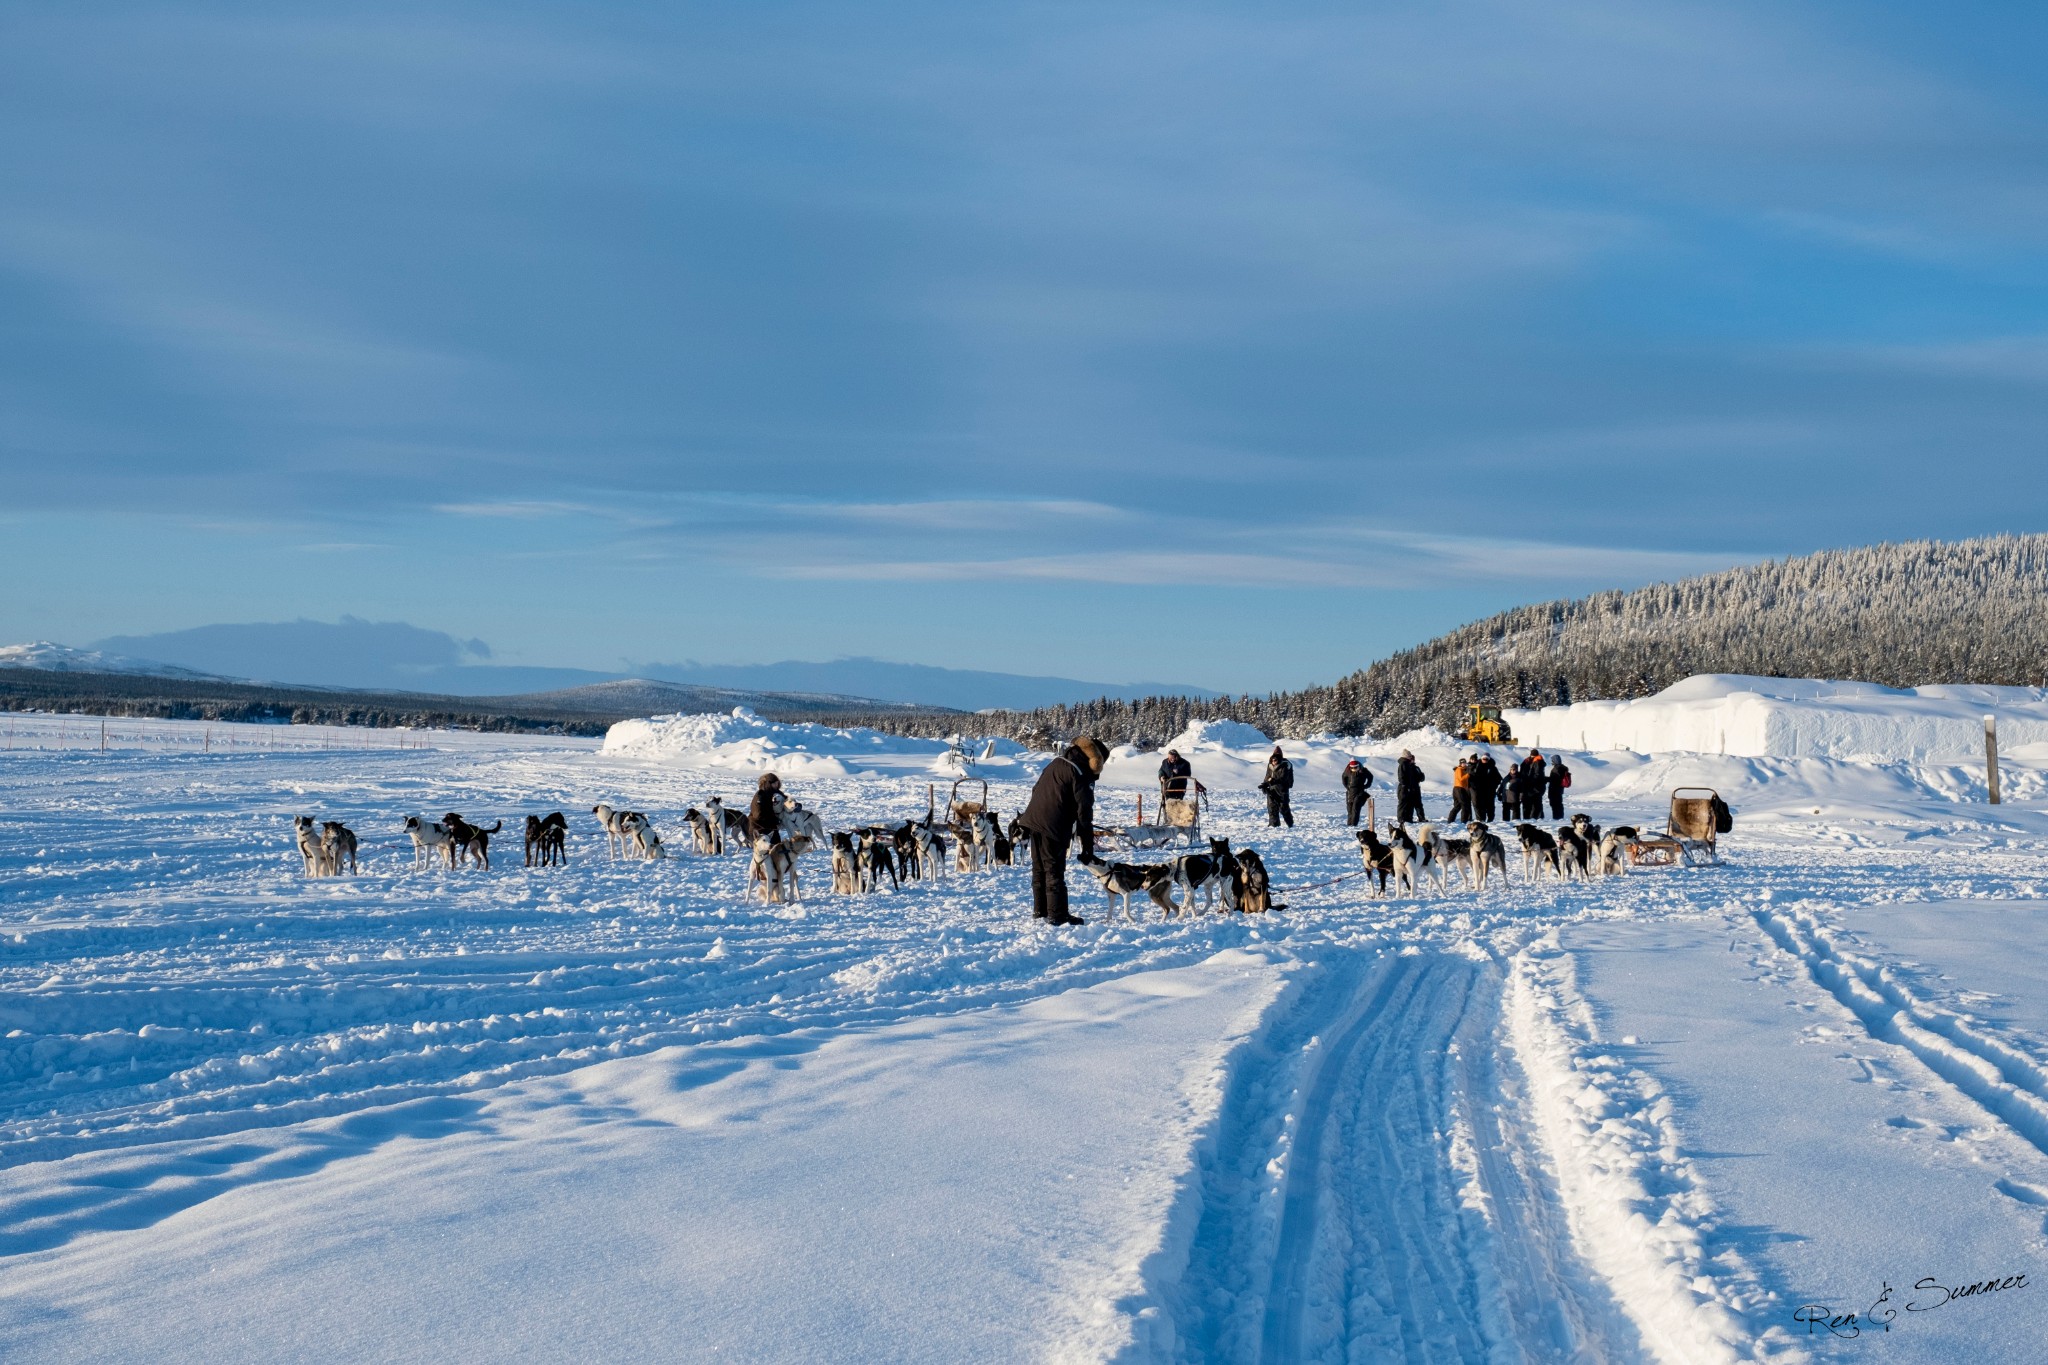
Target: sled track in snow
[1401, 1211]
[1995, 1073]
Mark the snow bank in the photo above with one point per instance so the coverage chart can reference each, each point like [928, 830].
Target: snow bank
[1723, 713]
[1230, 756]
[741, 741]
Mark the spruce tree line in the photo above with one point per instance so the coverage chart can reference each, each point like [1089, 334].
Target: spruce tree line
[1905, 615]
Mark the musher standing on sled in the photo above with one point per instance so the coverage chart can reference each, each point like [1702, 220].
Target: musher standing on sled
[1062, 807]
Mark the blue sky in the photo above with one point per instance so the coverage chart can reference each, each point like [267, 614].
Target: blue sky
[1230, 344]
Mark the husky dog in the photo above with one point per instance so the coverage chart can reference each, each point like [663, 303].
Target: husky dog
[470, 841]
[1488, 853]
[310, 851]
[798, 822]
[877, 858]
[700, 830]
[1573, 854]
[640, 837]
[1539, 850]
[1614, 851]
[1202, 871]
[1455, 855]
[428, 834]
[613, 821]
[983, 831]
[727, 826]
[547, 838]
[1378, 859]
[846, 878]
[1256, 897]
[775, 867]
[337, 841]
[1404, 855]
[1020, 841]
[1126, 879]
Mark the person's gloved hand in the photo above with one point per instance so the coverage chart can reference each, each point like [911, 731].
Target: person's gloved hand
[1089, 860]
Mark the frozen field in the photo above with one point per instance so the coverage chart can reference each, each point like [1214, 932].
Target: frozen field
[614, 1111]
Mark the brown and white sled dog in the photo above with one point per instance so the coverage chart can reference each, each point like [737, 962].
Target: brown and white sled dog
[307, 832]
[1256, 895]
[1124, 880]
[775, 867]
[337, 841]
[845, 865]
[1488, 854]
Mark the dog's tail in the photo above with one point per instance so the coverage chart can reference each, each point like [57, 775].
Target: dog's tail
[493, 829]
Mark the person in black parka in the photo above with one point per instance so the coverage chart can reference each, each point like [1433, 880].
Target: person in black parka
[1485, 787]
[1062, 808]
[1174, 772]
[1357, 782]
[1279, 789]
[1408, 789]
[763, 816]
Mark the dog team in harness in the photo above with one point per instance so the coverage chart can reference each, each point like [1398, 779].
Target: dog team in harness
[1060, 814]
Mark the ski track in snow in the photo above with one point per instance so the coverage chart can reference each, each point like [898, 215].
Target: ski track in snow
[1416, 1159]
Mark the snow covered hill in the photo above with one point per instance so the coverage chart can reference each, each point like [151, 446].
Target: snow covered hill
[57, 658]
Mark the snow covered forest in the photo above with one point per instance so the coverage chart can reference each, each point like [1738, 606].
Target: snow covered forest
[1903, 615]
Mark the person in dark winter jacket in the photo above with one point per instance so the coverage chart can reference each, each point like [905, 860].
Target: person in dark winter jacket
[1357, 782]
[1062, 808]
[1485, 787]
[764, 815]
[1279, 788]
[1559, 778]
[1174, 775]
[1408, 789]
[1532, 785]
[1511, 794]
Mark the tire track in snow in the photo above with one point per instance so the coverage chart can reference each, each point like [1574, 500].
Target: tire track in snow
[1376, 1195]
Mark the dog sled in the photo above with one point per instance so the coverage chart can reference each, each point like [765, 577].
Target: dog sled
[1698, 817]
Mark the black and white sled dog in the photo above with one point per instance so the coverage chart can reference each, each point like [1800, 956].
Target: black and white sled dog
[1378, 859]
[1574, 856]
[428, 838]
[323, 845]
[614, 821]
[1539, 851]
[876, 858]
[1205, 872]
[729, 828]
[639, 836]
[700, 831]
[1124, 880]
[1255, 890]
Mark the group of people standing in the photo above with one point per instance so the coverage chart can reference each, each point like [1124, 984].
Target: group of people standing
[1477, 783]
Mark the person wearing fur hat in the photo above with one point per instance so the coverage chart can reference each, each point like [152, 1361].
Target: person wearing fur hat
[1279, 789]
[765, 815]
[1062, 809]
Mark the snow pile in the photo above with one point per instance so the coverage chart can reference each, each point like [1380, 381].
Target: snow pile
[1795, 718]
[740, 741]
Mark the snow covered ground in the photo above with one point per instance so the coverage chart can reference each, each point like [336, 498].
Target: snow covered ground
[614, 1110]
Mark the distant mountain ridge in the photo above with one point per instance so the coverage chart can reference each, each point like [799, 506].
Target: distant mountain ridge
[394, 655]
[1902, 614]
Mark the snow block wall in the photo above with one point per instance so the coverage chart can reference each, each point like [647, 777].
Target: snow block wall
[1725, 713]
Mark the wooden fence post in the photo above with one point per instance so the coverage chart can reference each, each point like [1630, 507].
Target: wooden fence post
[1991, 756]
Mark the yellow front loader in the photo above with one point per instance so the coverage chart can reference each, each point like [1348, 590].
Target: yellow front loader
[1486, 727]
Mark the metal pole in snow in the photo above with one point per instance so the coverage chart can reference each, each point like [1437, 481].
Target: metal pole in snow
[1991, 756]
